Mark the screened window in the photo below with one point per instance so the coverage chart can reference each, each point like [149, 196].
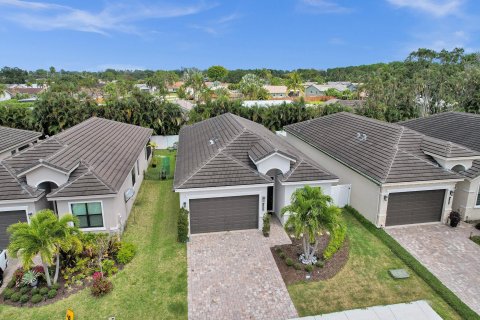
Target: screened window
[133, 176]
[478, 198]
[138, 167]
[89, 214]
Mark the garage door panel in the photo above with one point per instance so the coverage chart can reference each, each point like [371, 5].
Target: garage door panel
[415, 207]
[223, 214]
[8, 218]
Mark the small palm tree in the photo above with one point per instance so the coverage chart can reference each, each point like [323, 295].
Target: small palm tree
[45, 236]
[295, 83]
[311, 214]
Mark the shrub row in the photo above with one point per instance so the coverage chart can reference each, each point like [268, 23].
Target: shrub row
[450, 298]
[337, 238]
[182, 225]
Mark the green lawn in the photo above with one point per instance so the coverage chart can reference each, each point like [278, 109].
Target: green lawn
[154, 173]
[152, 286]
[365, 281]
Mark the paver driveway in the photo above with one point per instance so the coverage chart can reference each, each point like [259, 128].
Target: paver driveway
[448, 254]
[232, 275]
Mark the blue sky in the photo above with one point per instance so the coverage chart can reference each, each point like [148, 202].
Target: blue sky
[282, 34]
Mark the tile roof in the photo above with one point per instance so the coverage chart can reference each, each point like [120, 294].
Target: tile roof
[217, 152]
[384, 152]
[99, 153]
[11, 138]
[459, 128]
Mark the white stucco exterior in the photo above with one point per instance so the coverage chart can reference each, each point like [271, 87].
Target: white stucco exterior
[465, 199]
[274, 161]
[46, 174]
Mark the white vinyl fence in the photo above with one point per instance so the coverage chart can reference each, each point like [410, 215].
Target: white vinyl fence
[341, 194]
[164, 142]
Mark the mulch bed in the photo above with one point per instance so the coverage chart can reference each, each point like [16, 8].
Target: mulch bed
[293, 251]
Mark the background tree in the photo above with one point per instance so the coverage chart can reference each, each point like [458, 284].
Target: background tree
[294, 83]
[251, 86]
[217, 73]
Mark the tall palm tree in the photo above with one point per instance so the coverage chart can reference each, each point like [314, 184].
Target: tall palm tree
[294, 83]
[311, 214]
[45, 236]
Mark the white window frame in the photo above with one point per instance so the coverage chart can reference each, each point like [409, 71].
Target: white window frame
[89, 201]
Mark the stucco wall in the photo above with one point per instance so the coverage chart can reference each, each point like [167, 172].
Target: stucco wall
[44, 174]
[365, 194]
[261, 191]
[5, 154]
[115, 210]
[465, 199]
[274, 161]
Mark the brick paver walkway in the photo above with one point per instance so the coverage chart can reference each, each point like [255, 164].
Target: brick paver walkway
[448, 254]
[232, 275]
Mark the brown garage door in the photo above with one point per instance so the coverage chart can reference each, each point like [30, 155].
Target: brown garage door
[6, 219]
[223, 214]
[414, 207]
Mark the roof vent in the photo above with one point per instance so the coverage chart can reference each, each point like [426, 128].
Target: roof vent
[361, 136]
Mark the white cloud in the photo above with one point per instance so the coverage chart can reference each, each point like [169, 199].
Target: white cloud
[219, 26]
[438, 8]
[114, 17]
[321, 6]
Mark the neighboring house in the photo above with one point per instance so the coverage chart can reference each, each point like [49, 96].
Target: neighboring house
[32, 92]
[264, 103]
[317, 90]
[173, 88]
[230, 171]
[145, 88]
[185, 105]
[276, 91]
[354, 104]
[14, 140]
[92, 170]
[462, 129]
[343, 85]
[396, 173]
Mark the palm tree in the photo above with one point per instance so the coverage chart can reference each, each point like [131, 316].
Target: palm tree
[294, 83]
[45, 236]
[311, 214]
[3, 89]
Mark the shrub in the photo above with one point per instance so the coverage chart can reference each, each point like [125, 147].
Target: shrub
[126, 253]
[16, 296]
[320, 263]
[101, 287]
[96, 275]
[182, 225]
[56, 286]
[25, 298]
[108, 267]
[278, 250]
[18, 274]
[37, 298]
[52, 293]
[266, 225]
[35, 291]
[282, 255]
[24, 290]
[7, 293]
[308, 267]
[477, 226]
[475, 239]
[337, 237]
[43, 291]
[450, 298]
[297, 266]
[12, 283]
[289, 262]
[29, 277]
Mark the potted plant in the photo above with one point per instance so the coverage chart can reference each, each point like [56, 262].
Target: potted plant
[266, 225]
[454, 218]
[30, 278]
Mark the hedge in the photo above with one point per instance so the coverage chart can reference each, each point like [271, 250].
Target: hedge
[450, 298]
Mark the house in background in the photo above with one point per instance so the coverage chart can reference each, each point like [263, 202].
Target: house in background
[395, 172]
[276, 91]
[230, 171]
[92, 170]
[14, 140]
[317, 90]
[173, 88]
[458, 131]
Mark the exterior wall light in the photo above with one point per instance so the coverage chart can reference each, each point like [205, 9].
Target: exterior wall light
[385, 197]
[452, 192]
[184, 204]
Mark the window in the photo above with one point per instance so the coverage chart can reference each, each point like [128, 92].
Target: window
[478, 198]
[89, 214]
[138, 167]
[133, 176]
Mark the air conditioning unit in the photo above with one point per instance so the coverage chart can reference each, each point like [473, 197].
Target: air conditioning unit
[129, 194]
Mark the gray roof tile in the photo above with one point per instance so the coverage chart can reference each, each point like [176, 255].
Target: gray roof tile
[375, 148]
[10, 138]
[219, 152]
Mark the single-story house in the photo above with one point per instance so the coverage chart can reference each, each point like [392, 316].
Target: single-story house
[230, 171]
[398, 176]
[276, 91]
[317, 90]
[92, 170]
[458, 128]
[14, 140]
